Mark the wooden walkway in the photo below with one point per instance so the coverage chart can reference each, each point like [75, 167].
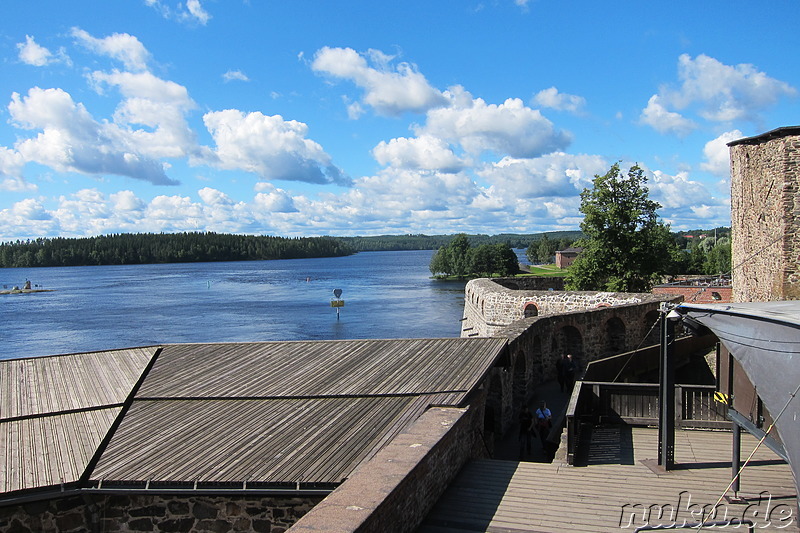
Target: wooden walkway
[509, 497]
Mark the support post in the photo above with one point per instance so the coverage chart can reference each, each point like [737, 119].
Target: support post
[666, 404]
[736, 457]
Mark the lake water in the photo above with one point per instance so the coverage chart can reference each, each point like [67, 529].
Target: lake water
[386, 294]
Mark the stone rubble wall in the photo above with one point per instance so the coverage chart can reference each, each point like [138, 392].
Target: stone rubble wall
[156, 514]
[765, 214]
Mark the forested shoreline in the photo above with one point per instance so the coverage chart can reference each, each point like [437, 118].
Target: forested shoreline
[145, 248]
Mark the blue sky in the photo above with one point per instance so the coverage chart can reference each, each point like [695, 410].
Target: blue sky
[365, 118]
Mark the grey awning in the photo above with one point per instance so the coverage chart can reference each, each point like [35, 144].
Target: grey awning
[765, 338]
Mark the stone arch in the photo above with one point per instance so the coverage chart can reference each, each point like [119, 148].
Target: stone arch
[570, 340]
[493, 412]
[615, 335]
[537, 357]
[519, 384]
[530, 310]
[651, 328]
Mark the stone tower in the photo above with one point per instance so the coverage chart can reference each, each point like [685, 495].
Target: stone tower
[765, 216]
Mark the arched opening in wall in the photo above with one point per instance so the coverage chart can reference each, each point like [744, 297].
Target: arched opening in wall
[615, 336]
[651, 328]
[530, 310]
[570, 341]
[538, 358]
[492, 414]
[520, 382]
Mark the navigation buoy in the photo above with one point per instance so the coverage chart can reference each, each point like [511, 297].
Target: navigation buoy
[337, 302]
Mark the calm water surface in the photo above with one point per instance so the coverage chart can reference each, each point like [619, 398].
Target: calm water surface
[387, 295]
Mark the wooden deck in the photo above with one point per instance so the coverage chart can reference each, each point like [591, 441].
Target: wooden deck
[508, 497]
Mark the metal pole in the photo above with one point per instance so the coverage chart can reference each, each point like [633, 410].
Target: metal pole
[736, 459]
[666, 404]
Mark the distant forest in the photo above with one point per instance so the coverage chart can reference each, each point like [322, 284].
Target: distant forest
[141, 248]
[434, 242]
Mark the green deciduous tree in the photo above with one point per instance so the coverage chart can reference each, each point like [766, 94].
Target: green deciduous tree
[627, 248]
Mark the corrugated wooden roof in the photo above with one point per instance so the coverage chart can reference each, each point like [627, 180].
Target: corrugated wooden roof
[266, 413]
[314, 368]
[258, 441]
[284, 412]
[55, 411]
[50, 450]
[42, 385]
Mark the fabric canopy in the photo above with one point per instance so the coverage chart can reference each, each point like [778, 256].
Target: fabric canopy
[765, 338]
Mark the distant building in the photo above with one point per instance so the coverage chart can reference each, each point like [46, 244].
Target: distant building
[564, 258]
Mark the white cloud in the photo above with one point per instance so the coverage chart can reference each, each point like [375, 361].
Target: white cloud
[71, 140]
[676, 192]
[32, 53]
[717, 154]
[424, 152]
[160, 106]
[664, 121]
[11, 163]
[273, 200]
[553, 175]
[389, 89]
[195, 11]
[509, 128]
[273, 148]
[120, 46]
[560, 101]
[235, 75]
[718, 92]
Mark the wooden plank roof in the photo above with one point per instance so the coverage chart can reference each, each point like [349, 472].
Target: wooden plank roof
[258, 441]
[284, 412]
[271, 413]
[43, 385]
[491, 495]
[315, 368]
[55, 411]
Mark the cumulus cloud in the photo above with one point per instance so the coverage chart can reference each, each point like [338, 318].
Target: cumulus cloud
[235, 75]
[32, 53]
[560, 101]
[553, 175]
[717, 154]
[425, 152]
[11, 163]
[273, 148]
[659, 118]
[120, 46]
[159, 105]
[509, 128]
[71, 140]
[676, 192]
[389, 89]
[718, 92]
[273, 200]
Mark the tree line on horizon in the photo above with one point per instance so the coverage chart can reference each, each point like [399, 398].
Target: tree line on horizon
[145, 248]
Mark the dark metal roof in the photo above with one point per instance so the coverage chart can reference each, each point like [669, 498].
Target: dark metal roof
[772, 134]
[266, 414]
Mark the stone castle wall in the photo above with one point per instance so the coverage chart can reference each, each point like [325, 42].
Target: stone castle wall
[765, 215]
[489, 306]
[157, 514]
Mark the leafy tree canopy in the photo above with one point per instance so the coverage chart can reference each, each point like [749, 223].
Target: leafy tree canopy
[461, 260]
[626, 247]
